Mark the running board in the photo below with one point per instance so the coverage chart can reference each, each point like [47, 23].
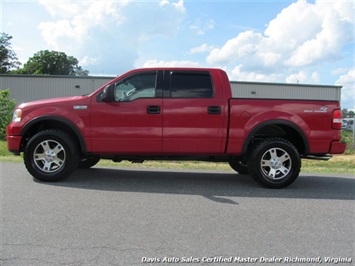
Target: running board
[317, 157]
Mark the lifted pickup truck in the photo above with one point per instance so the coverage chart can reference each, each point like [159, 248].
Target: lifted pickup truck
[175, 114]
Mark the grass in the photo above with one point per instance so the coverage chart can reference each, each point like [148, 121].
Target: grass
[341, 164]
[348, 137]
[3, 149]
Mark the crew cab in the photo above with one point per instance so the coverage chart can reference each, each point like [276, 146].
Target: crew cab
[175, 114]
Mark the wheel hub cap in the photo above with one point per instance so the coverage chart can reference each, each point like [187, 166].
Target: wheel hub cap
[276, 163]
[49, 156]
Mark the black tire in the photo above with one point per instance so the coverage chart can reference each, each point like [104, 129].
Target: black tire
[239, 166]
[88, 162]
[274, 163]
[51, 155]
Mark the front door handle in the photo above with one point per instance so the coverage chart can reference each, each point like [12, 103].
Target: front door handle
[214, 110]
[153, 109]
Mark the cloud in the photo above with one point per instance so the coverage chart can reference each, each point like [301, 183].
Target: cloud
[201, 49]
[87, 61]
[303, 77]
[109, 32]
[241, 75]
[334, 29]
[242, 46]
[348, 91]
[200, 26]
[301, 35]
[65, 9]
[178, 5]
[75, 21]
[173, 63]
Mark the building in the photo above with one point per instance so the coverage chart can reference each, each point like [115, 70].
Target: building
[25, 88]
[263, 90]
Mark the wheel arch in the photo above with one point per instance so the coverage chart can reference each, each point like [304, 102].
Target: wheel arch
[278, 128]
[53, 122]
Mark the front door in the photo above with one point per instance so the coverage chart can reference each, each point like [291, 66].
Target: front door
[132, 123]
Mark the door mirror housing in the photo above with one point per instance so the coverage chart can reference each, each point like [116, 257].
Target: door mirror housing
[107, 95]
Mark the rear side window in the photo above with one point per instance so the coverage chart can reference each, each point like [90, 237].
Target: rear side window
[190, 85]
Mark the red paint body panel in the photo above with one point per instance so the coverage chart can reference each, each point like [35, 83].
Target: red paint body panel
[126, 128]
[183, 126]
[61, 108]
[246, 115]
[13, 143]
[189, 129]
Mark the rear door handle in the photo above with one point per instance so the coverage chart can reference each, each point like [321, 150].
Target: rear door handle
[214, 110]
[153, 109]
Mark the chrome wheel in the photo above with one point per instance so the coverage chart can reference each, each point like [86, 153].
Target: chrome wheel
[276, 163]
[49, 156]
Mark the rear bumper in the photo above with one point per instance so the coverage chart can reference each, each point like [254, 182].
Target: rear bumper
[337, 147]
[14, 144]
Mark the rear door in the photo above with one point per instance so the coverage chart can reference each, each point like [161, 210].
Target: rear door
[193, 115]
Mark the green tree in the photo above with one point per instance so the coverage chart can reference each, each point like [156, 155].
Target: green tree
[344, 112]
[348, 114]
[6, 108]
[8, 58]
[52, 63]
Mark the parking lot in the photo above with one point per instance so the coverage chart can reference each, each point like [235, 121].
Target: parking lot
[138, 216]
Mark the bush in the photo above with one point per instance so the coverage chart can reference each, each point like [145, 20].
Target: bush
[348, 137]
[6, 108]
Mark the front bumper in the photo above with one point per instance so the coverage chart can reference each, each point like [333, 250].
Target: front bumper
[14, 144]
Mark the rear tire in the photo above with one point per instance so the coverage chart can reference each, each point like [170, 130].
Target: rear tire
[274, 163]
[51, 155]
[238, 166]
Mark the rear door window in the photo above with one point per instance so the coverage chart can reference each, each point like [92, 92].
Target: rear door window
[194, 84]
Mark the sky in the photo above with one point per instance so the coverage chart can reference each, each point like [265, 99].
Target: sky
[308, 42]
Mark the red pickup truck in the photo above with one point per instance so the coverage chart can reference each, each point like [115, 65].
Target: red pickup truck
[175, 114]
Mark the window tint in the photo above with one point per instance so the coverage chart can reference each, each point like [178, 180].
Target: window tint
[191, 85]
[135, 87]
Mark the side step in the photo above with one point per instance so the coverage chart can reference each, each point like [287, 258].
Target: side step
[323, 157]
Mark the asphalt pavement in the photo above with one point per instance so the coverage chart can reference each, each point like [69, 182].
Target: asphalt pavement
[124, 216]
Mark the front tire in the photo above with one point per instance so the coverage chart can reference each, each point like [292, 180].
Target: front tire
[89, 162]
[274, 163]
[51, 155]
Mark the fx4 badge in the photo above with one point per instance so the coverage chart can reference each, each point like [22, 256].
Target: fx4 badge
[323, 109]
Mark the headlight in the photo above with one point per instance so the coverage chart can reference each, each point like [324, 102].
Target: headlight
[16, 117]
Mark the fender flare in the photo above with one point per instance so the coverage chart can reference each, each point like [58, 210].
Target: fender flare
[68, 123]
[276, 122]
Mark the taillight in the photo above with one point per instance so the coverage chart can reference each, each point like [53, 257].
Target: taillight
[337, 119]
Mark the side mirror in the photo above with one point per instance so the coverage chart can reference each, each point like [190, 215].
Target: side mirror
[107, 94]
